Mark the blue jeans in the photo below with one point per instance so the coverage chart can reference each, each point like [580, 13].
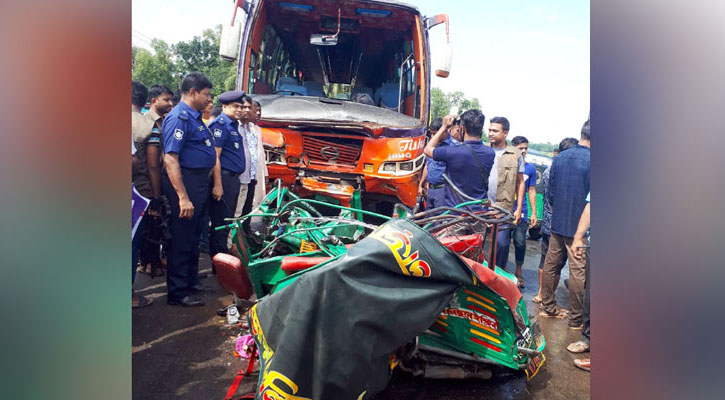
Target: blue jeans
[503, 242]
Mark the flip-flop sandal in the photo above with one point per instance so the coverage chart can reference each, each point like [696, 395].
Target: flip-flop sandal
[536, 299]
[584, 363]
[142, 302]
[559, 314]
[578, 347]
[520, 282]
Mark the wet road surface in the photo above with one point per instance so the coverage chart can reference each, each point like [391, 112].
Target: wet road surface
[187, 353]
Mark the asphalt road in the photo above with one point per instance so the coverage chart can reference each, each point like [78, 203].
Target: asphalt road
[187, 353]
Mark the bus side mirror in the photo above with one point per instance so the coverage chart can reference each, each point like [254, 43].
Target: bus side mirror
[444, 70]
[230, 41]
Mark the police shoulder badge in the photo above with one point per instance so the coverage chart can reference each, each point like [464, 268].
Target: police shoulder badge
[217, 133]
[178, 134]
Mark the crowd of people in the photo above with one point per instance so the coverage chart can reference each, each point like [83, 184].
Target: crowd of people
[197, 163]
[499, 172]
[194, 165]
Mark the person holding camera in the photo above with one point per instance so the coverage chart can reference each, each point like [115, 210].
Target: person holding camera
[468, 165]
[431, 183]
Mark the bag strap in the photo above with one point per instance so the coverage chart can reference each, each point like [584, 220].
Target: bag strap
[484, 175]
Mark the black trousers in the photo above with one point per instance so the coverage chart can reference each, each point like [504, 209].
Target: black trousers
[224, 208]
[183, 253]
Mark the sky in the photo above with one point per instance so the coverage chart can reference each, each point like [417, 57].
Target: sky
[526, 60]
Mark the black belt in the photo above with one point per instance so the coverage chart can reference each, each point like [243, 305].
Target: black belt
[196, 171]
[230, 173]
[190, 171]
[437, 186]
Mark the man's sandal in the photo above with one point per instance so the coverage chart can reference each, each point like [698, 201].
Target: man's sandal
[520, 282]
[584, 363]
[536, 299]
[560, 313]
[578, 347]
[140, 301]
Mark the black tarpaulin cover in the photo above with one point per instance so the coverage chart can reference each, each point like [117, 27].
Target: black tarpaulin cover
[330, 334]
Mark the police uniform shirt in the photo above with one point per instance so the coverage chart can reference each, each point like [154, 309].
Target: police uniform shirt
[185, 134]
[226, 135]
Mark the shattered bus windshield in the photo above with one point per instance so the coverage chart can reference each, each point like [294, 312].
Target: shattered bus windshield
[367, 50]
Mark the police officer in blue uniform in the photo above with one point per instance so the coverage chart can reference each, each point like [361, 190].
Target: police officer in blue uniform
[189, 159]
[230, 148]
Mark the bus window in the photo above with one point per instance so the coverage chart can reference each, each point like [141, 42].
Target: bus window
[274, 58]
[252, 74]
[267, 48]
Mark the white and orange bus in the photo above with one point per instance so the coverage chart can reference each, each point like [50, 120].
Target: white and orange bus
[345, 93]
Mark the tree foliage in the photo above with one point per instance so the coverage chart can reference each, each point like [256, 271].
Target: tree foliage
[544, 147]
[199, 53]
[439, 105]
[170, 63]
[443, 103]
[469, 104]
[155, 69]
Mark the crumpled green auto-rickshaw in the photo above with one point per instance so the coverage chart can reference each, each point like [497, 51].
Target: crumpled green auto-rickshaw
[346, 295]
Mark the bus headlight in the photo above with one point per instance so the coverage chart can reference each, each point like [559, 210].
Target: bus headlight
[398, 168]
[389, 167]
[275, 155]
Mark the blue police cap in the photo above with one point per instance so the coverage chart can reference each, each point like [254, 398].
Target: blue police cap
[231, 96]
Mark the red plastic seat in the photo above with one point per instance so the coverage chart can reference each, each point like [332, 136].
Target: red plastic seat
[290, 265]
[459, 244]
[232, 275]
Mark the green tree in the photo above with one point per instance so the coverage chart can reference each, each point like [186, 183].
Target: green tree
[154, 69]
[455, 99]
[201, 53]
[443, 103]
[168, 64]
[439, 104]
[197, 54]
[543, 147]
[469, 104]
